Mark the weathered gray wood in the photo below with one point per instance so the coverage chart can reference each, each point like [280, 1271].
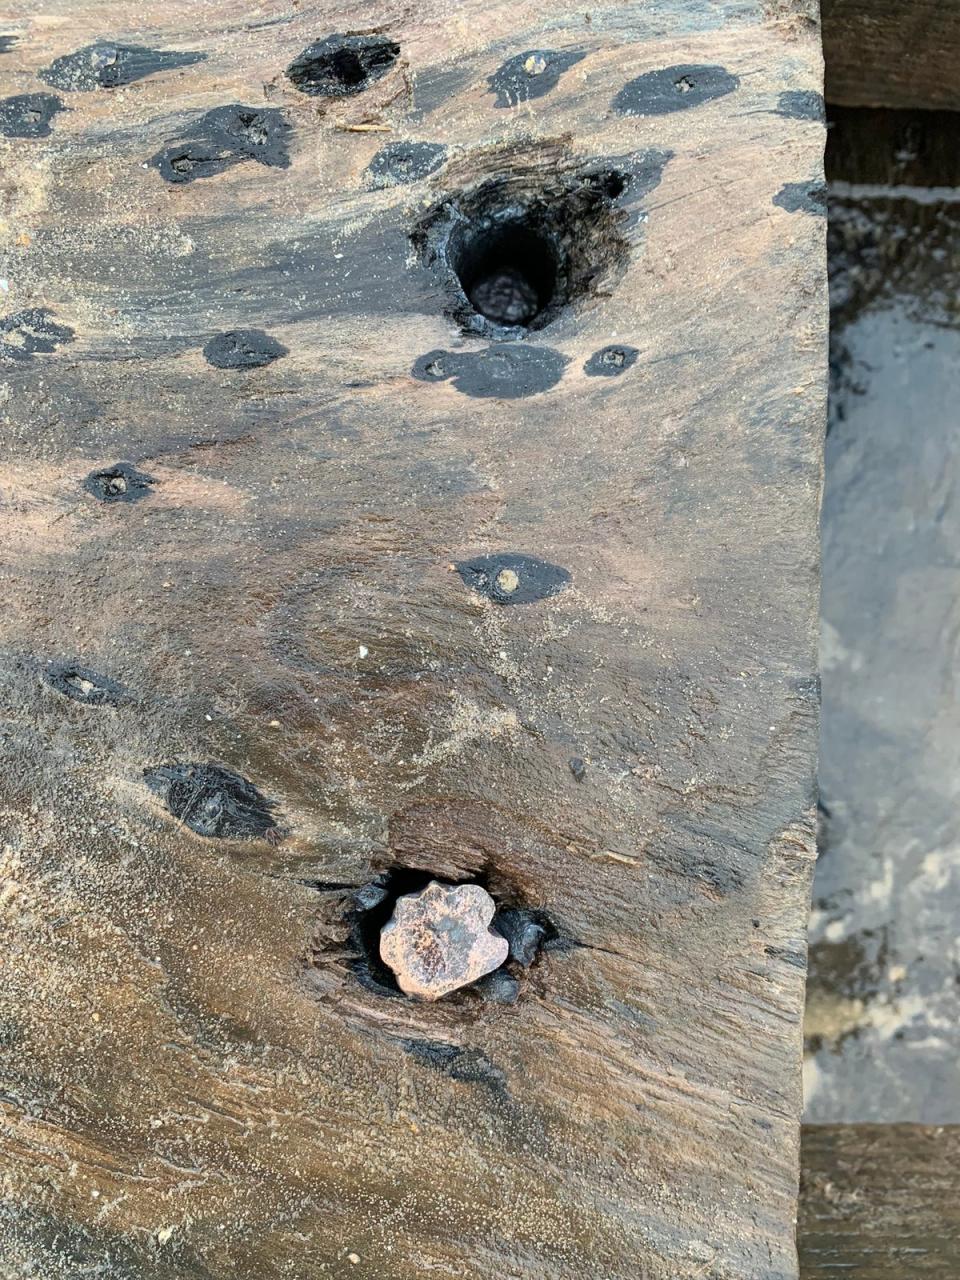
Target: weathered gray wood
[195, 1081]
[880, 1202]
[892, 53]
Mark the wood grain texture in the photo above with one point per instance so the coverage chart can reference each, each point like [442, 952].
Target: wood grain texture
[880, 1202]
[194, 1083]
[892, 53]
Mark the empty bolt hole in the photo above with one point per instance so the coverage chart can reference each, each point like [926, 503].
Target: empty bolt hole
[508, 271]
[515, 250]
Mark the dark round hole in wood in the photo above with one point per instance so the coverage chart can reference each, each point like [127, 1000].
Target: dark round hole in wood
[347, 68]
[508, 271]
[514, 251]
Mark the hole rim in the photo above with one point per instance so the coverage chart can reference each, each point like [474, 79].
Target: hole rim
[578, 219]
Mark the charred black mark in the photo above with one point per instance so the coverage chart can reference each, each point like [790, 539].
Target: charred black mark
[800, 104]
[469, 1066]
[714, 876]
[224, 137]
[243, 349]
[342, 65]
[608, 362]
[802, 197]
[25, 334]
[120, 483]
[402, 162]
[513, 578]
[503, 372]
[578, 767]
[28, 115]
[511, 253]
[530, 75]
[658, 93]
[83, 685]
[213, 801]
[106, 66]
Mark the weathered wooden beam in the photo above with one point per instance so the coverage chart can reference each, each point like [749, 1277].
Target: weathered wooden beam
[892, 53]
[410, 471]
[880, 1202]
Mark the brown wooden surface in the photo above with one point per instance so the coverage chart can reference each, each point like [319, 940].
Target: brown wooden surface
[194, 1083]
[892, 53]
[880, 1202]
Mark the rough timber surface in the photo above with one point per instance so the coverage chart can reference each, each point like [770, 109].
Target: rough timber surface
[237, 571]
[880, 1202]
[892, 53]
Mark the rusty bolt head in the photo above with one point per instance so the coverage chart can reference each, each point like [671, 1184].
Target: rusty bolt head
[440, 939]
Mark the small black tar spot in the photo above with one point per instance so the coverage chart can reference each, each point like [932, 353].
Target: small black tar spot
[578, 767]
[808, 688]
[801, 104]
[802, 197]
[402, 162]
[530, 75]
[106, 66]
[24, 334]
[658, 93]
[608, 362]
[224, 137]
[7, 43]
[505, 372]
[342, 65]
[794, 958]
[28, 115]
[243, 349]
[213, 801]
[513, 578]
[469, 1066]
[83, 685]
[498, 987]
[526, 933]
[120, 483]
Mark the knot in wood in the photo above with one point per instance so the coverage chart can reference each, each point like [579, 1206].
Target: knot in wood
[440, 939]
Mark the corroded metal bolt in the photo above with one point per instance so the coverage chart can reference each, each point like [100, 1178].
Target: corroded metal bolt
[440, 939]
[535, 65]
